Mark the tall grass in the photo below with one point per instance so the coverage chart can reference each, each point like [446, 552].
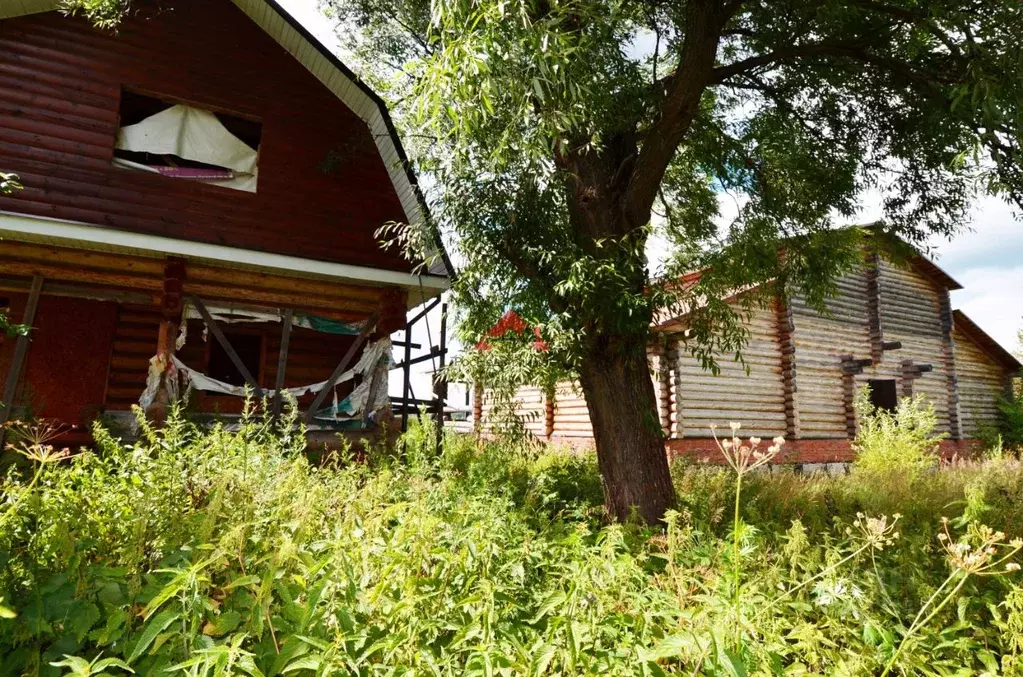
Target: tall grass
[217, 552]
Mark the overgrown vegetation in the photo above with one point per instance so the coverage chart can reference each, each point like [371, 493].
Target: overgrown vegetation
[8, 184]
[217, 552]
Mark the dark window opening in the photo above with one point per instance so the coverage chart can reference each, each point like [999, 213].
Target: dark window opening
[883, 394]
[188, 142]
[250, 351]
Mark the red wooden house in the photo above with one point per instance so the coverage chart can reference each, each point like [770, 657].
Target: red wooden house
[201, 193]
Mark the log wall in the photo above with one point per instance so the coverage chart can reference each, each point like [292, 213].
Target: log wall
[755, 399]
[981, 383]
[911, 309]
[804, 367]
[820, 342]
[530, 407]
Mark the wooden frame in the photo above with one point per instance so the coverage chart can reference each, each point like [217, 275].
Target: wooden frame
[20, 353]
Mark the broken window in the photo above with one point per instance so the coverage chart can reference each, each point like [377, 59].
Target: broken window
[186, 142]
[883, 394]
[249, 348]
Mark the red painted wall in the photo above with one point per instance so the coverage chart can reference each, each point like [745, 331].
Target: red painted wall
[61, 82]
[65, 375]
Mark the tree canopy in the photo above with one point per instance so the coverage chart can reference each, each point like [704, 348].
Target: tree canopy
[543, 112]
[563, 134]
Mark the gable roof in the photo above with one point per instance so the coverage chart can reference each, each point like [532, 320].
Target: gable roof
[286, 31]
[985, 342]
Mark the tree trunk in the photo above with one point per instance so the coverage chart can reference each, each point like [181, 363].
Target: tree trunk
[630, 447]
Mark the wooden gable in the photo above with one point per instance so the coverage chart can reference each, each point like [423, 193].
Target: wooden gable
[323, 186]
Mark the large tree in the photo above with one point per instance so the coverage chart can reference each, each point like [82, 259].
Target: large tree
[552, 132]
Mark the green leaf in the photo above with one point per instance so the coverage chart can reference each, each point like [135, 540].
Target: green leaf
[153, 628]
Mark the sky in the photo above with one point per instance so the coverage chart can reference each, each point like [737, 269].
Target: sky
[987, 261]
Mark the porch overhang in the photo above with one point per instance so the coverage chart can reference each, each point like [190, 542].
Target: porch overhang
[56, 233]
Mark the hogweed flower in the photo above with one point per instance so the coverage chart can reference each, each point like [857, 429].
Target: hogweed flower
[745, 456]
[876, 532]
[33, 441]
[983, 552]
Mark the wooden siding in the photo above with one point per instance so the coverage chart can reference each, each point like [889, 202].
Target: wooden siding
[571, 416]
[66, 367]
[797, 386]
[756, 400]
[982, 381]
[530, 407]
[62, 80]
[819, 343]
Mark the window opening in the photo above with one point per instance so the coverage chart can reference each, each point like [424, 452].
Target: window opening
[250, 350]
[883, 394]
[186, 142]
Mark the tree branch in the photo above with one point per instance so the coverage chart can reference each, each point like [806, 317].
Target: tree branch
[705, 21]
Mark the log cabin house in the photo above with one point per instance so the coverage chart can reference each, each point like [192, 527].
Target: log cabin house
[201, 192]
[890, 327]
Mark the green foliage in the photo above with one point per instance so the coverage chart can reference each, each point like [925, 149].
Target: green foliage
[1009, 431]
[901, 443]
[222, 552]
[102, 13]
[8, 184]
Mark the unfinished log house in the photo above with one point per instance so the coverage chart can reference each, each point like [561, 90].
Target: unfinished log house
[890, 326]
[201, 193]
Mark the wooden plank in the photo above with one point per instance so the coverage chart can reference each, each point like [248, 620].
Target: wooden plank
[226, 345]
[282, 359]
[20, 352]
[342, 366]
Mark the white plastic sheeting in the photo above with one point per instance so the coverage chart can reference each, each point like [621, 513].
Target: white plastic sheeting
[197, 135]
[376, 358]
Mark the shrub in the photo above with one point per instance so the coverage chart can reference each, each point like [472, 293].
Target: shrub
[216, 552]
[902, 443]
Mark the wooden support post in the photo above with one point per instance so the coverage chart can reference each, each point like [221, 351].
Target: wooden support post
[440, 381]
[226, 345]
[873, 273]
[20, 353]
[477, 408]
[549, 403]
[787, 347]
[406, 373]
[341, 367]
[282, 360]
[909, 374]
[166, 340]
[948, 353]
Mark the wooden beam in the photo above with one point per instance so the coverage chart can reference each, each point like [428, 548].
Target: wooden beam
[787, 348]
[282, 360]
[71, 273]
[226, 345]
[20, 351]
[80, 292]
[341, 367]
[875, 329]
